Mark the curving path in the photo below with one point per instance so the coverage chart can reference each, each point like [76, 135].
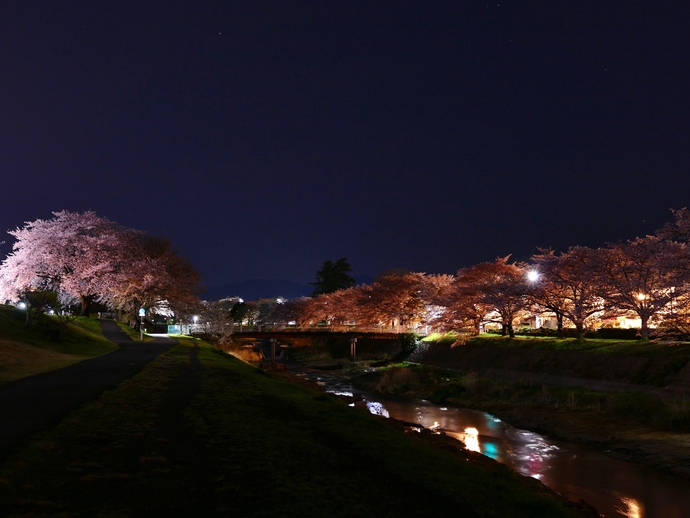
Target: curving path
[40, 402]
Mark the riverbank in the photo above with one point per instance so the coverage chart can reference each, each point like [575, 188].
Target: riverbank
[629, 399]
[198, 432]
[568, 413]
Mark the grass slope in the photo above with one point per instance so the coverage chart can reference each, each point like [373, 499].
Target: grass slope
[201, 433]
[46, 345]
[594, 345]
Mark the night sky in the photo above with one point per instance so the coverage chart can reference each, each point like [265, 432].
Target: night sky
[266, 137]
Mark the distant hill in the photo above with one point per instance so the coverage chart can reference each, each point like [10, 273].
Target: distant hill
[256, 289]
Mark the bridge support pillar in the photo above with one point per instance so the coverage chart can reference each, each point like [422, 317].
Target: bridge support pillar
[353, 349]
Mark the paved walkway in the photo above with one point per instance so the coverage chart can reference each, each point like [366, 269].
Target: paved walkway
[40, 402]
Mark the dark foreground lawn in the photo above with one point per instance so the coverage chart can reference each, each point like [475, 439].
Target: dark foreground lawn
[198, 433]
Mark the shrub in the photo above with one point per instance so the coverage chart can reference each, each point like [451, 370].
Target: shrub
[646, 408]
[408, 343]
[471, 382]
[441, 394]
[396, 380]
[612, 333]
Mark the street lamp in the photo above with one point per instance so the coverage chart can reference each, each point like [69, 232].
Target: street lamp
[142, 314]
[533, 276]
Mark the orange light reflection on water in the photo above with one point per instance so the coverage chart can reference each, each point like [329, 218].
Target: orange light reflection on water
[470, 437]
[633, 508]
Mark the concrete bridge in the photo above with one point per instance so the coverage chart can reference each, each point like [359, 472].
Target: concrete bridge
[276, 346]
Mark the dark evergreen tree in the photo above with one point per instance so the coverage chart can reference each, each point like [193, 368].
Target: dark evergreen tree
[333, 277]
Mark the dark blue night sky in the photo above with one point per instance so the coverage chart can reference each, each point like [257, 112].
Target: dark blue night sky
[266, 137]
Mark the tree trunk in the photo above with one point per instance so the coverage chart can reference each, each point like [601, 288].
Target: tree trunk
[644, 328]
[511, 331]
[580, 331]
[85, 305]
[559, 325]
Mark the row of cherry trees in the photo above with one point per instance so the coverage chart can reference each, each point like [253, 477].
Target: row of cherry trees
[85, 258]
[648, 277]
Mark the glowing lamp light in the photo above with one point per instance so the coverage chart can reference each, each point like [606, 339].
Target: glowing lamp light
[533, 276]
[21, 305]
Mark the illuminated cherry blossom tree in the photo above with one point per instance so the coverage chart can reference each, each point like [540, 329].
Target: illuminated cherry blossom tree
[149, 274]
[90, 258]
[297, 310]
[678, 230]
[462, 309]
[646, 276]
[436, 288]
[498, 288]
[568, 286]
[397, 300]
[343, 307]
[336, 308]
[70, 253]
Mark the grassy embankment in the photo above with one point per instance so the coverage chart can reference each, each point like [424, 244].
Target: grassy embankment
[46, 345]
[198, 432]
[652, 348]
[672, 414]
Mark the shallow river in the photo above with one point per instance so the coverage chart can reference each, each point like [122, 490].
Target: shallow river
[613, 487]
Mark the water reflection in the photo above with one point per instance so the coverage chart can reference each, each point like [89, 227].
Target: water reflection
[377, 408]
[472, 439]
[614, 488]
[469, 437]
[533, 452]
[633, 509]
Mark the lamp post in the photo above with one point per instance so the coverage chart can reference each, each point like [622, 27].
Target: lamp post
[532, 278]
[142, 314]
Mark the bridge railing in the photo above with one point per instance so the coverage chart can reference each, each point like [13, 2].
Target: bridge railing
[423, 331]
